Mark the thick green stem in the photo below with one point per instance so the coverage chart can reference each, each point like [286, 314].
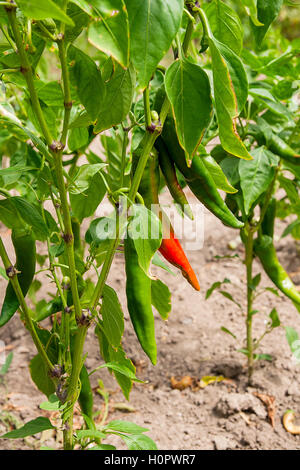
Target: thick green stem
[26, 69]
[249, 263]
[28, 321]
[67, 89]
[68, 432]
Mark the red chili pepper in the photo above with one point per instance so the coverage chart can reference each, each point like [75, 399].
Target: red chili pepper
[172, 251]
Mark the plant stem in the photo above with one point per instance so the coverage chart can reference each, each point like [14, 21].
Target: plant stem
[26, 69]
[28, 321]
[123, 157]
[146, 95]
[67, 90]
[249, 263]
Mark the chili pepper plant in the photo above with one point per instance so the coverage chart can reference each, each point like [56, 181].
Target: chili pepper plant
[111, 101]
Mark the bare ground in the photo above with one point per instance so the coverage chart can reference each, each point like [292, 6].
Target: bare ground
[223, 415]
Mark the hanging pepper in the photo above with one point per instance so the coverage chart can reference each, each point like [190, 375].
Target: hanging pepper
[24, 245]
[170, 247]
[172, 251]
[197, 177]
[138, 293]
[265, 250]
[168, 169]
[267, 225]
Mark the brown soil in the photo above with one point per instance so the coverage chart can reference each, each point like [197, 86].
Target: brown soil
[223, 415]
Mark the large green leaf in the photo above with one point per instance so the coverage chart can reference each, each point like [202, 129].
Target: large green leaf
[85, 72]
[256, 175]
[188, 90]
[29, 429]
[153, 26]
[230, 92]
[41, 9]
[31, 214]
[110, 31]
[118, 356]
[267, 11]
[112, 315]
[117, 100]
[40, 376]
[88, 191]
[225, 24]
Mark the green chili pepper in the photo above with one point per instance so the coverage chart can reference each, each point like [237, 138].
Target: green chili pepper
[24, 245]
[149, 184]
[283, 150]
[138, 292]
[198, 177]
[86, 399]
[168, 169]
[265, 250]
[267, 225]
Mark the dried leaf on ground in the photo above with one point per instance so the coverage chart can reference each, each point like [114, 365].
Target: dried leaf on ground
[182, 383]
[269, 401]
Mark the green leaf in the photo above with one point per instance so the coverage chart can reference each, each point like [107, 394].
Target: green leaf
[145, 230]
[9, 215]
[90, 434]
[267, 11]
[225, 25]
[153, 26]
[29, 429]
[161, 298]
[124, 426]
[214, 286]
[31, 214]
[230, 92]
[52, 404]
[158, 261]
[121, 369]
[2, 270]
[292, 338]
[40, 376]
[84, 5]
[78, 138]
[228, 332]
[219, 177]
[255, 281]
[263, 357]
[112, 315]
[85, 72]
[188, 90]
[117, 100]
[89, 190]
[6, 364]
[256, 175]
[102, 447]
[110, 31]
[109, 354]
[274, 318]
[251, 9]
[228, 296]
[138, 442]
[51, 94]
[41, 9]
